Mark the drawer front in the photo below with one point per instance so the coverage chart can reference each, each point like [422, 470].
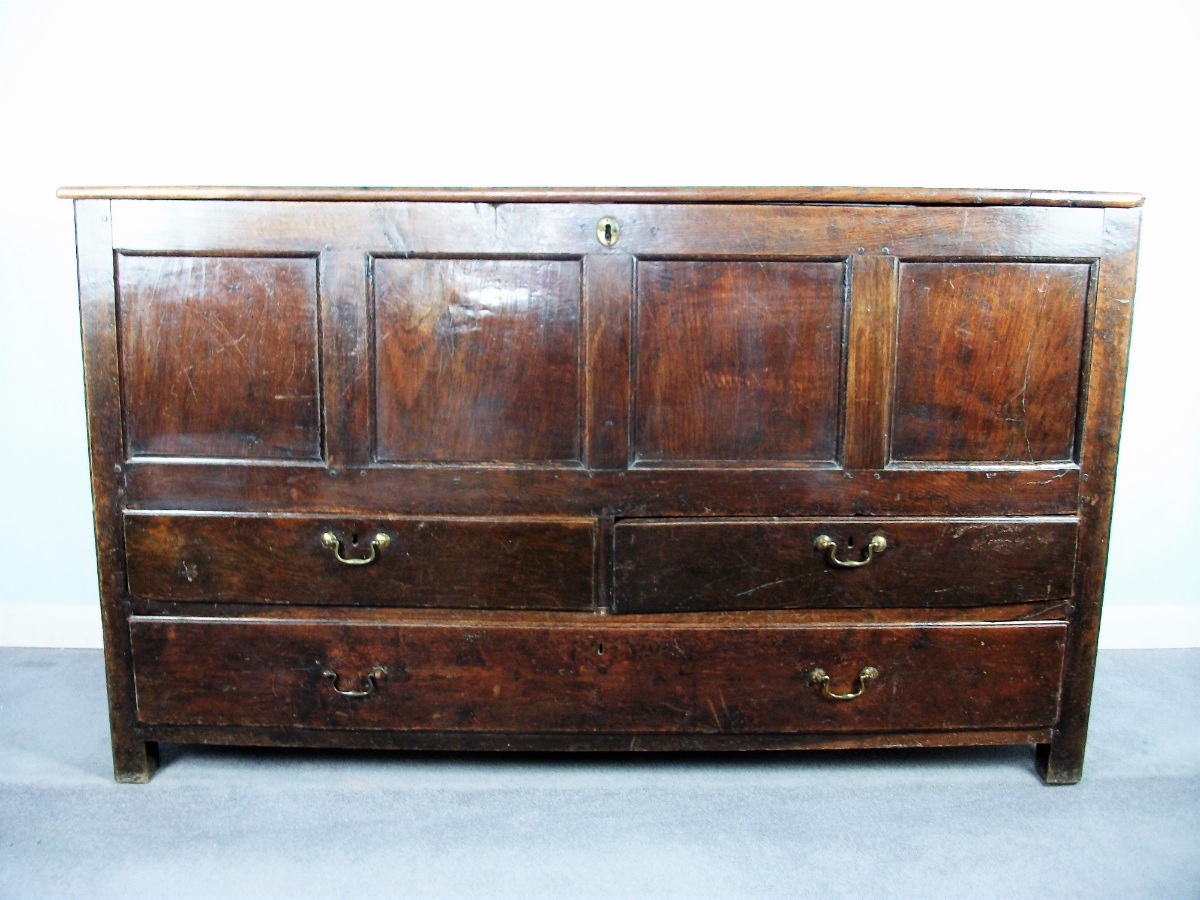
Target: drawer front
[614, 677]
[664, 565]
[426, 561]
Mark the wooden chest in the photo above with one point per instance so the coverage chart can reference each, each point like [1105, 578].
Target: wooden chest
[603, 469]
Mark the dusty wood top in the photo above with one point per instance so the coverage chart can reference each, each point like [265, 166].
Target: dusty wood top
[863, 195]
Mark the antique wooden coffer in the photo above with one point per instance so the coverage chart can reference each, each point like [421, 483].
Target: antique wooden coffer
[645, 469]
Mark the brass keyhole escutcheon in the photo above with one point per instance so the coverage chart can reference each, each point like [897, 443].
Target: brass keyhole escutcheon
[607, 231]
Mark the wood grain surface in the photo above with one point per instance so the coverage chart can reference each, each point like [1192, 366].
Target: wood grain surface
[938, 196]
[988, 361]
[1061, 761]
[694, 231]
[477, 359]
[461, 562]
[738, 361]
[550, 430]
[134, 759]
[821, 489]
[219, 356]
[514, 678]
[871, 363]
[669, 565]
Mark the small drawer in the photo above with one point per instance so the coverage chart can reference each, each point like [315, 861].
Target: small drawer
[502, 673]
[679, 565]
[399, 561]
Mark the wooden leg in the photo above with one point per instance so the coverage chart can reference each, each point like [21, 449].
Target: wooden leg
[134, 761]
[1060, 762]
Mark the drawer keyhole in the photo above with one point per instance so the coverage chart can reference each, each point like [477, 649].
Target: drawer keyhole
[608, 231]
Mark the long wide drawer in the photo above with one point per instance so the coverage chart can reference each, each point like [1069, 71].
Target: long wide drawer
[679, 565]
[395, 561]
[504, 674]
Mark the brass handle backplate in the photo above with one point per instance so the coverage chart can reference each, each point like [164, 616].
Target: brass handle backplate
[372, 677]
[330, 540]
[818, 676]
[828, 546]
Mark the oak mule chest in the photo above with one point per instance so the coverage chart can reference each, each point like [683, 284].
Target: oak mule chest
[652, 469]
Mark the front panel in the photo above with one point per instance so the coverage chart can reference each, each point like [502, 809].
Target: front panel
[219, 356]
[737, 361]
[729, 405]
[477, 359]
[988, 361]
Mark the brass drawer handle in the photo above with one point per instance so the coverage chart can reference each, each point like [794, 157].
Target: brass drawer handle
[828, 546]
[372, 677]
[818, 676]
[330, 540]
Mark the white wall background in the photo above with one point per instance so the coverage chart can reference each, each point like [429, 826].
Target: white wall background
[1048, 95]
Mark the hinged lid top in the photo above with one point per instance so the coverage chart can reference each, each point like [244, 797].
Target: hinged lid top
[861, 195]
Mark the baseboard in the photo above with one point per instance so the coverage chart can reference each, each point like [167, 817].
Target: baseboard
[1157, 626]
[50, 625]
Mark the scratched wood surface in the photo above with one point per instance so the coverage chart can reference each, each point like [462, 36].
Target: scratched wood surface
[514, 678]
[219, 356]
[477, 359]
[638, 491]
[988, 361]
[134, 758]
[715, 231]
[1061, 760]
[550, 427]
[459, 562]
[738, 361]
[873, 196]
[669, 565]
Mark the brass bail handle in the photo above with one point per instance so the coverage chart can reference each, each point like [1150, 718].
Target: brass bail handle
[372, 677]
[828, 546]
[330, 540]
[818, 676]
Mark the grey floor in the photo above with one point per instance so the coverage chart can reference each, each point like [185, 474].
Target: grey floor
[937, 823]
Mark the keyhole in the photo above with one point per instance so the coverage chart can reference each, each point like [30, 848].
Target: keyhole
[354, 540]
[850, 543]
[608, 231]
[600, 649]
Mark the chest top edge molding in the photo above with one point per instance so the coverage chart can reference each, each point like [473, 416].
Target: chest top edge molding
[748, 194]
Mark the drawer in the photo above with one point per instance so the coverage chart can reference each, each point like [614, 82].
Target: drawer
[677, 565]
[422, 561]
[505, 675]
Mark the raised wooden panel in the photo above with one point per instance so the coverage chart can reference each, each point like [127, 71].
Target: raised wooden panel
[477, 360]
[219, 356]
[988, 361]
[738, 361]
